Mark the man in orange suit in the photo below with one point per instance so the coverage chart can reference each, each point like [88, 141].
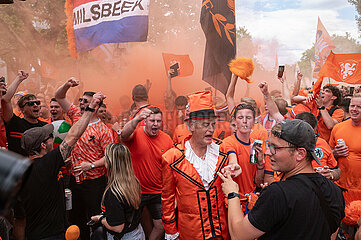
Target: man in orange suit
[190, 178]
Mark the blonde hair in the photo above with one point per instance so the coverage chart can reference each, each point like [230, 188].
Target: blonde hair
[121, 179]
[357, 95]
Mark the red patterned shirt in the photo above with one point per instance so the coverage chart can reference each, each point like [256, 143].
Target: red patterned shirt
[91, 145]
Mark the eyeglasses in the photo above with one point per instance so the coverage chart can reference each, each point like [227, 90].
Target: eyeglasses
[273, 149]
[31, 103]
[83, 100]
[50, 136]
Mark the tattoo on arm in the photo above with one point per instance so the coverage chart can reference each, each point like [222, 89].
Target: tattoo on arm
[65, 150]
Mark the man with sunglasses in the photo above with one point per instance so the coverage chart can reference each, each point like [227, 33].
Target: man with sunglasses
[88, 181]
[304, 205]
[42, 192]
[30, 107]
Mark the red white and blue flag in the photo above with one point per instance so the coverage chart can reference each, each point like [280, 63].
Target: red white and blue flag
[109, 21]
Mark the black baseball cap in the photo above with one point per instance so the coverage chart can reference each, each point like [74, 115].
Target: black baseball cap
[33, 137]
[298, 133]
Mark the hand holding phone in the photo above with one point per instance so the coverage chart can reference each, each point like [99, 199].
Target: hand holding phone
[281, 69]
[175, 67]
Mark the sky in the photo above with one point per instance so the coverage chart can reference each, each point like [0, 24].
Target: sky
[289, 26]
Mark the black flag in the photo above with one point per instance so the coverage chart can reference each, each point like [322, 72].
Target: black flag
[218, 24]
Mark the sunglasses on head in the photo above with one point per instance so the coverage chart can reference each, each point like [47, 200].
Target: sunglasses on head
[83, 100]
[50, 136]
[31, 103]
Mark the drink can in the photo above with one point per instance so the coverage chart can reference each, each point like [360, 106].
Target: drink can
[253, 158]
[340, 141]
[68, 199]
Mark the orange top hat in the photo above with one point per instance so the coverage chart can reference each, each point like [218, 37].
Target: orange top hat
[299, 108]
[200, 106]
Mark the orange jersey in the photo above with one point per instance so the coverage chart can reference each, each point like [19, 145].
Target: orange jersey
[259, 132]
[324, 153]
[323, 131]
[246, 180]
[351, 165]
[146, 155]
[91, 145]
[180, 133]
[222, 130]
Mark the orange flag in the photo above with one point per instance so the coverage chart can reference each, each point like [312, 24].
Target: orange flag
[185, 63]
[49, 71]
[323, 45]
[342, 68]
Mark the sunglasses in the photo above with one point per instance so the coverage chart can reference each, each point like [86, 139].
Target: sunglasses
[83, 100]
[31, 103]
[50, 136]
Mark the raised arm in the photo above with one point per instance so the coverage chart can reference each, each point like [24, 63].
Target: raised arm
[230, 93]
[272, 107]
[7, 109]
[60, 93]
[130, 126]
[169, 96]
[79, 127]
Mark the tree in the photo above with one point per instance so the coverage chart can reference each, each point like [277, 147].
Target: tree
[344, 44]
[357, 4]
[30, 31]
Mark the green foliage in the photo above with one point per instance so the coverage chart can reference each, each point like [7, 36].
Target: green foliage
[357, 4]
[30, 31]
[344, 44]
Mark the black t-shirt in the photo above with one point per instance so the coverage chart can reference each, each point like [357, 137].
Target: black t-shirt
[292, 210]
[14, 129]
[43, 197]
[119, 212]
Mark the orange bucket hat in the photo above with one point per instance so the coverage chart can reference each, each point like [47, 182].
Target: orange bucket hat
[200, 106]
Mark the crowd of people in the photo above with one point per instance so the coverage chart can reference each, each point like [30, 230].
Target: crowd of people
[197, 167]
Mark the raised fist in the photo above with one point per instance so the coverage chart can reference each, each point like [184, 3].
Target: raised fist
[73, 82]
[22, 75]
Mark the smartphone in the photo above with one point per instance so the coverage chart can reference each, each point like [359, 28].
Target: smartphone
[281, 69]
[2, 79]
[175, 66]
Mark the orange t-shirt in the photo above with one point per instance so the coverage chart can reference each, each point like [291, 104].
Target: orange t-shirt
[222, 130]
[324, 153]
[246, 180]
[180, 132]
[351, 165]
[323, 131]
[259, 132]
[146, 155]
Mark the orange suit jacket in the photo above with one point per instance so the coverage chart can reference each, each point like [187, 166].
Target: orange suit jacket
[202, 213]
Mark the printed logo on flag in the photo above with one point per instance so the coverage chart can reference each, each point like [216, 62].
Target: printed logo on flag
[347, 69]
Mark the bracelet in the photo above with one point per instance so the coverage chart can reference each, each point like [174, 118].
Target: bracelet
[331, 176]
[101, 218]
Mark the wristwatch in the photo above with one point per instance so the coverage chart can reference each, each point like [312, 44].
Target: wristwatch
[92, 165]
[232, 195]
[89, 109]
[321, 108]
